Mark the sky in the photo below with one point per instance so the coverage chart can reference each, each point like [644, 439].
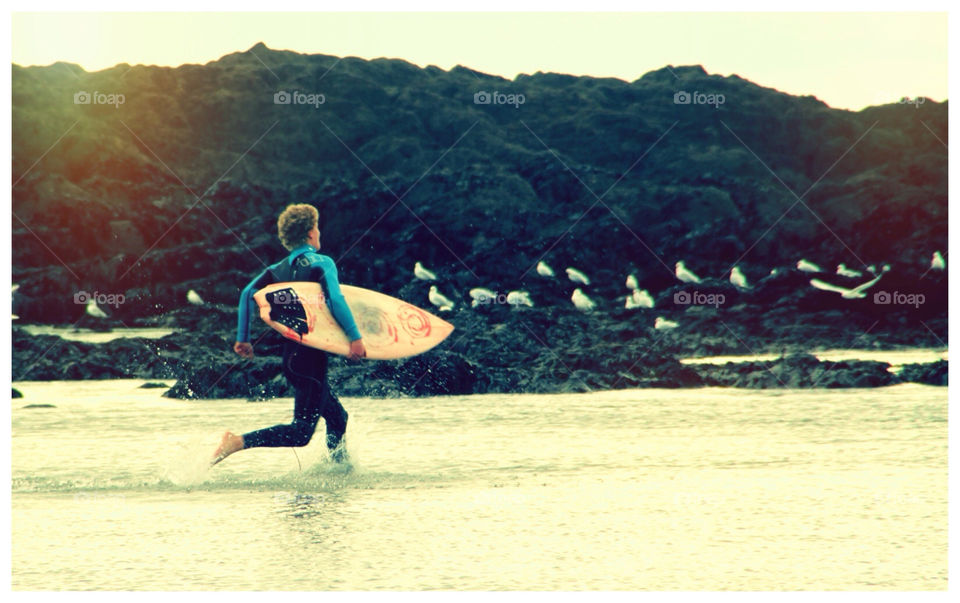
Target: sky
[848, 60]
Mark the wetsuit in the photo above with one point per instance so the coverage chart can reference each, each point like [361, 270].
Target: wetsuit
[304, 367]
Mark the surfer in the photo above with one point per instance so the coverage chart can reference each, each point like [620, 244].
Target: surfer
[304, 367]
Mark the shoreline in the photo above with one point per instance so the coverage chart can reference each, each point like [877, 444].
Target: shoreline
[195, 367]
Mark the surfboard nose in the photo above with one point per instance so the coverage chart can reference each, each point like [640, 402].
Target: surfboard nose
[443, 329]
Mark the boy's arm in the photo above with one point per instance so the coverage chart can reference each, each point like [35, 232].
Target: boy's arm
[246, 300]
[338, 305]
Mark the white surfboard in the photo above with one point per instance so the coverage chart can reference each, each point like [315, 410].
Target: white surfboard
[391, 328]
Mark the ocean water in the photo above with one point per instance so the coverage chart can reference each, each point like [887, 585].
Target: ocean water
[896, 358]
[703, 489]
[90, 336]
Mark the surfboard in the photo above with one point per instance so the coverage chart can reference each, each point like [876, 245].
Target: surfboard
[391, 328]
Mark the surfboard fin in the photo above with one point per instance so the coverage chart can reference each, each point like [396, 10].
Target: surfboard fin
[286, 309]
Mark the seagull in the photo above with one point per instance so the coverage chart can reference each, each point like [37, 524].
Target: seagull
[685, 275]
[872, 269]
[581, 301]
[194, 298]
[14, 290]
[842, 270]
[737, 278]
[856, 293]
[638, 299]
[576, 276]
[643, 298]
[544, 270]
[662, 323]
[519, 298]
[632, 283]
[481, 296]
[438, 300]
[94, 310]
[422, 273]
[937, 262]
[805, 266]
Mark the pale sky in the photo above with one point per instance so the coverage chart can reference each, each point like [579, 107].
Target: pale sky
[848, 60]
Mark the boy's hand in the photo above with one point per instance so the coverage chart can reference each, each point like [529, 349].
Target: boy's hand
[243, 348]
[357, 350]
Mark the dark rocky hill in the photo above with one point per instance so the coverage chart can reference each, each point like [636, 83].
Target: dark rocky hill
[178, 186]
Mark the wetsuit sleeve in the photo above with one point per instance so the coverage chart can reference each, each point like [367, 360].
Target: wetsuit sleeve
[338, 305]
[246, 301]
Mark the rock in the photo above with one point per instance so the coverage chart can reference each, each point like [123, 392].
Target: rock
[16, 393]
[932, 373]
[154, 385]
[798, 371]
[39, 406]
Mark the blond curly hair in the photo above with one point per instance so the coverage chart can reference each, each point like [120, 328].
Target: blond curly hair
[295, 224]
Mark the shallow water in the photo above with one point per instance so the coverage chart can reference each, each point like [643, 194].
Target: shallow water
[896, 358]
[91, 336]
[703, 489]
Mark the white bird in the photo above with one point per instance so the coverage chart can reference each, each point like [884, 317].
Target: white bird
[872, 269]
[481, 295]
[94, 310]
[842, 270]
[438, 300]
[632, 283]
[643, 298]
[544, 270]
[662, 323]
[638, 299]
[422, 273]
[737, 278]
[937, 263]
[576, 276]
[805, 266]
[194, 298]
[519, 298]
[685, 275]
[856, 293]
[14, 290]
[581, 301]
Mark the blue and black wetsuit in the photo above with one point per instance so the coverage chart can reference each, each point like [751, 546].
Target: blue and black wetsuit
[304, 367]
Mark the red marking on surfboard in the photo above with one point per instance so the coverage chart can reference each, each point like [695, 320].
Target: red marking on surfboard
[414, 321]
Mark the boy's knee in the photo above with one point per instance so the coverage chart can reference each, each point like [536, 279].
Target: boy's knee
[302, 434]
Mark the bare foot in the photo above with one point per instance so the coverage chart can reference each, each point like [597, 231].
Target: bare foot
[228, 445]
